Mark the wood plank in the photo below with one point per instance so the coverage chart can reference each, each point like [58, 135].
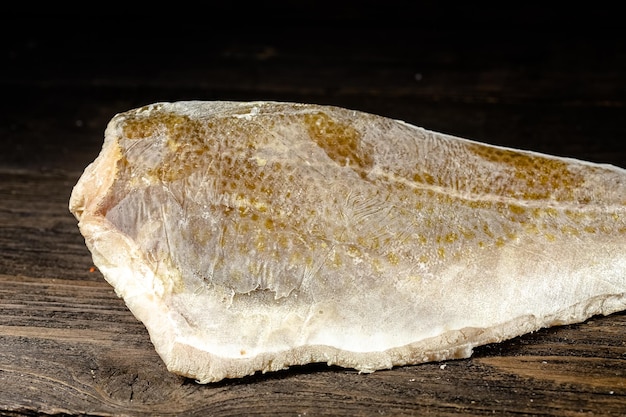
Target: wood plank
[37, 233]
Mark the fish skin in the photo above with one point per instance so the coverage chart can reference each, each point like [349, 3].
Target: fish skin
[253, 236]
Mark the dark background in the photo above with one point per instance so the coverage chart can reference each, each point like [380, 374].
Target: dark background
[550, 78]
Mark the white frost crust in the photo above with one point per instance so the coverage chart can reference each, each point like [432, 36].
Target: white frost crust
[206, 367]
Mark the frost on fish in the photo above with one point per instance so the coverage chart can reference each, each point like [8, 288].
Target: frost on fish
[255, 236]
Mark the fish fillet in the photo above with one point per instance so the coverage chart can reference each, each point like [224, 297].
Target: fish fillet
[253, 236]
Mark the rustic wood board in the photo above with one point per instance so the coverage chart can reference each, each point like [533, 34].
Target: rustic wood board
[69, 345]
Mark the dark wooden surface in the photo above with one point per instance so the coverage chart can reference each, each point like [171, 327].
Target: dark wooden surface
[69, 346]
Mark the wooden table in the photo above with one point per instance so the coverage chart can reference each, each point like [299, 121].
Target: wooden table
[69, 346]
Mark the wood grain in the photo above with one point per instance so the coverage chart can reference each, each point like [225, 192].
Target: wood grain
[69, 345]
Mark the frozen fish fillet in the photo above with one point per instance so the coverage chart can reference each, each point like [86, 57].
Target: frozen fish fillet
[253, 236]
